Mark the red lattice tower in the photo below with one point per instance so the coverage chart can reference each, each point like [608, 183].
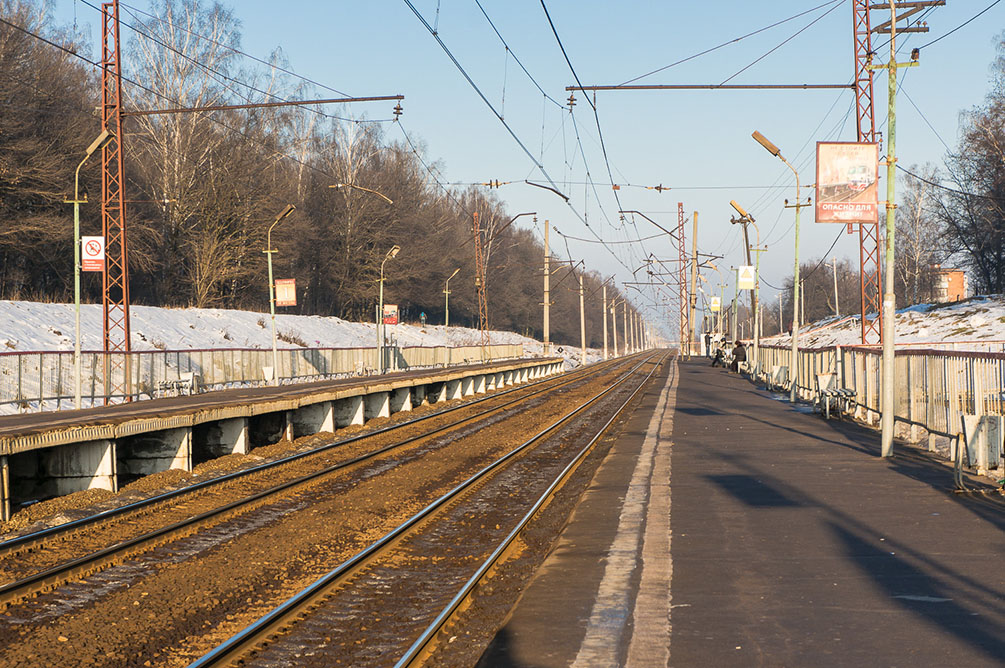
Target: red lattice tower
[483, 307]
[685, 326]
[113, 211]
[869, 250]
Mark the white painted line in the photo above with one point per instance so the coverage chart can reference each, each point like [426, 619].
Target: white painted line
[613, 606]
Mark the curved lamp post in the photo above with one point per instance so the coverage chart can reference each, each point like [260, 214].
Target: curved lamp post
[747, 218]
[100, 142]
[380, 308]
[353, 185]
[272, 290]
[794, 359]
[446, 298]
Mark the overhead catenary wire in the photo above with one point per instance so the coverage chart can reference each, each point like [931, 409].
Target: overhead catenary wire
[727, 43]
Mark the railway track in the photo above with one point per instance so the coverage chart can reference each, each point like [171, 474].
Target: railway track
[38, 562]
[428, 567]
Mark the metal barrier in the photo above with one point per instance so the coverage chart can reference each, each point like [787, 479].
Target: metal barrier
[933, 388]
[37, 381]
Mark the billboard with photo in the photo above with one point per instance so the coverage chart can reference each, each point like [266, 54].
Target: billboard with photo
[847, 182]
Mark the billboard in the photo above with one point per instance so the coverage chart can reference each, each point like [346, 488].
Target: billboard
[847, 182]
[715, 304]
[286, 292]
[390, 314]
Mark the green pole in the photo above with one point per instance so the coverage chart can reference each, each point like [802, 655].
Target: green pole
[889, 312]
[736, 293]
[272, 312]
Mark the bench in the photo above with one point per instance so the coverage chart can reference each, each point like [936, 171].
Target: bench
[186, 383]
[779, 378]
[827, 389]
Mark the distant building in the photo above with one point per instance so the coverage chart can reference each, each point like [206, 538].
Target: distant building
[950, 284]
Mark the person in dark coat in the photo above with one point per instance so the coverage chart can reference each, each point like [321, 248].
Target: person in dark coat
[739, 355]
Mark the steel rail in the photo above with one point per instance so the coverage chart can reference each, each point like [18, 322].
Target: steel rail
[423, 647]
[288, 612]
[100, 559]
[27, 541]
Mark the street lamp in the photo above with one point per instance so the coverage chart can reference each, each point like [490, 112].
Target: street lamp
[100, 142]
[272, 287]
[380, 309]
[794, 359]
[353, 185]
[747, 218]
[446, 298]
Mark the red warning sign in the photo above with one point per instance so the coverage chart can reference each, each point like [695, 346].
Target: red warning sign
[92, 253]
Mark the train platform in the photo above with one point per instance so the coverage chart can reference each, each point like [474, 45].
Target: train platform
[727, 527]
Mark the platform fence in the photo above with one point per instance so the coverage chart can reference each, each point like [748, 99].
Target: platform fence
[38, 381]
[933, 388]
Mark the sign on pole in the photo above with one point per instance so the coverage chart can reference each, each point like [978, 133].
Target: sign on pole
[92, 253]
[390, 314]
[716, 304]
[286, 292]
[745, 277]
[847, 182]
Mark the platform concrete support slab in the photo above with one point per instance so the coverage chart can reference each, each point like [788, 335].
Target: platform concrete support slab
[377, 405]
[490, 381]
[5, 508]
[500, 380]
[313, 419]
[400, 400]
[66, 469]
[436, 392]
[349, 411]
[419, 396]
[155, 451]
[479, 384]
[508, 377]
[467, 386]
[218, 438]
[288, 426]
[453, 389]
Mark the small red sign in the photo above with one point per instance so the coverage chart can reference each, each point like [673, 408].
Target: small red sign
[390, 314]
[286, 292]
[92, 253]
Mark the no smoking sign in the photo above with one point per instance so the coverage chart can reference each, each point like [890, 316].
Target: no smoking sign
[92, 253]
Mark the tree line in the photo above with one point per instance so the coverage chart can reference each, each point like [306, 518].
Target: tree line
[202, 189]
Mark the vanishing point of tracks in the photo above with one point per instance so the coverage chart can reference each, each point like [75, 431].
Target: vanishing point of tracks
[409, 516]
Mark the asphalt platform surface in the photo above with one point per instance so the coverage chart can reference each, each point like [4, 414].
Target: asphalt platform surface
[765, 536]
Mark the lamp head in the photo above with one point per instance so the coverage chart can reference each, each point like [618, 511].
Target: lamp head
[394, 251]
[101, 141]
[763, 141]
[287, 211]
[739, 209]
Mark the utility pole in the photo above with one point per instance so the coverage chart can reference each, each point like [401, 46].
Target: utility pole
[889, 306]
[834, 266]
[781, 327]
[693, 295]
[627, 339]
[446, 299]
[614, 324]
[582, 322]
[736, 293]
[547, 294]
[603, 316]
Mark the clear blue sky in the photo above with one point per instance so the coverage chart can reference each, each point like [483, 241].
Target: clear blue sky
[696, 142]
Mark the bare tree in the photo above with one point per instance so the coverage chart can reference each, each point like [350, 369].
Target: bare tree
[918, 237]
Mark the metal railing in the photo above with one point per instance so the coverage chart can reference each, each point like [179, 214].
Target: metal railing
[38, 381]
[933, 387]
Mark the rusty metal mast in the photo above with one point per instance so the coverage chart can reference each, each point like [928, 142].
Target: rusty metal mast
[483, 307]
[685, 325]
[868, 233]
[115, 281]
